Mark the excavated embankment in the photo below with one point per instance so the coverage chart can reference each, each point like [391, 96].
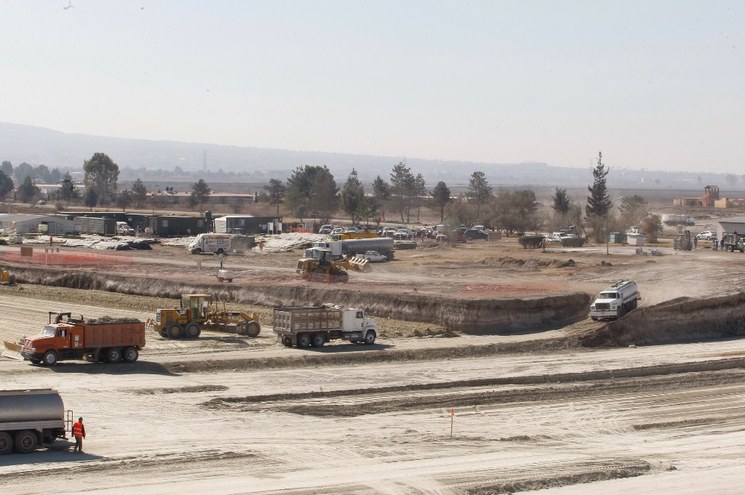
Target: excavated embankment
[679, 320]
[476, 316]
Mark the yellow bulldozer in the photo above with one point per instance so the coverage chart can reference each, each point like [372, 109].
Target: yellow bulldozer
[318, 265]
[202, 311]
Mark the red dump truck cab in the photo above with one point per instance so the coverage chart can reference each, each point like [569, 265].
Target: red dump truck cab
[109, 340]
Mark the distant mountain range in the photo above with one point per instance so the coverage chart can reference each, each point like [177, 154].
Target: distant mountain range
[36, 145]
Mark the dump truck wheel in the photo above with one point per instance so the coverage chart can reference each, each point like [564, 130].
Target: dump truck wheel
[26, 442]
[6, 443]
[193, 330]
[303, 340]
[131, 354]
[286, 341]
[173, 331]
[113, 355]
[253, 329]
[318, 340]
[50, 358]
[370, 337]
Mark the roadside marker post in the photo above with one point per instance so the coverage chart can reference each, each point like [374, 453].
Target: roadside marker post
[452, 417]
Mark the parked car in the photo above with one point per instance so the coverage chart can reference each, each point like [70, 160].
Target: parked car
[706, 235]
[472, 234]
[374, 257]
[326, 229]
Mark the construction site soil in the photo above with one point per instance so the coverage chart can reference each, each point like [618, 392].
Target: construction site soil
[488, 376]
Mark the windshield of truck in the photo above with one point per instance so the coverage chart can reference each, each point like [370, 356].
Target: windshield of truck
[48, 331]
[608, 295]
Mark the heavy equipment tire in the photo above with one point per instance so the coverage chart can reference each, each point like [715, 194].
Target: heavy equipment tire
[173, 331]
[6, 443]
[287, 341]
[370, 337]
[130, 354]
[318, 340]
[192, 330]
[220, 279]
[303, 340]
[26, 442]
[163, 333]
[113, 354]
[253, 329]
[50, 358]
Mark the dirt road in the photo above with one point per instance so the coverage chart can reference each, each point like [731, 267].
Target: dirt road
[226, 414]
[575, 421]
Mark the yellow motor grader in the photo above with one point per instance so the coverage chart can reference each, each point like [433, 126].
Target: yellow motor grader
[318, 265]
[202, 311]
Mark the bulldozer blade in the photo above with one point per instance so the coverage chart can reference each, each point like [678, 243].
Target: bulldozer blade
[358, 263]
[12, 351]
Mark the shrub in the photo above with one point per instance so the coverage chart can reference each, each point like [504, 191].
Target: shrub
[531, 241]
[573, 242]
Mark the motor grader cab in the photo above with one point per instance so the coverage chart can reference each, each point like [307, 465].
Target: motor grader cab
[317, 264]
[202, 311]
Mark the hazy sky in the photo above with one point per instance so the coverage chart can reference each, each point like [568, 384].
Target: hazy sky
[653, 84]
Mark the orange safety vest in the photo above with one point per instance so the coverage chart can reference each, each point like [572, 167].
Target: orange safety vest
[78, 430]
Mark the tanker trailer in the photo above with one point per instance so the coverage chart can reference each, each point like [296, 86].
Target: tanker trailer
[31, 418]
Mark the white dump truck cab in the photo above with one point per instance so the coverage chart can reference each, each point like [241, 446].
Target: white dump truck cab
[615, 301]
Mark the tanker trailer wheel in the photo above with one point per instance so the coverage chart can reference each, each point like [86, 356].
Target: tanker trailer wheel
[173, 331]
[253, 328]
[287, 341]
[370, 337]
[303, 340]
[6, 443]
[318, 340]
[131, 354]
[26, 442]
[113, 355]
[193, 330]
[50, 358]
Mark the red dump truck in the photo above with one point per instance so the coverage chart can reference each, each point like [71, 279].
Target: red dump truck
[104, 339]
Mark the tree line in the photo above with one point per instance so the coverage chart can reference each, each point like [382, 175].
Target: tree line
[311, 191]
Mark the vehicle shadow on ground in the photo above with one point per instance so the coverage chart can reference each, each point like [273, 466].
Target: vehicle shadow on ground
[60, 451]
[138, 368]
[332, 349]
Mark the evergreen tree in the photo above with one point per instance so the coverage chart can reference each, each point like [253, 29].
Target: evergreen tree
[479, 191]
[353, 198]
[6, 185]
[441, 197]
[27, 192]
[200, 191]
[598, 202]
[276, 191]
[139, 193]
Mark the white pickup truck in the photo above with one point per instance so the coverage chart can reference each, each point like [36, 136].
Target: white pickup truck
[615, 301]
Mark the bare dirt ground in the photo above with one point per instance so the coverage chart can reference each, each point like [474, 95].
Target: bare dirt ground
[415, 413]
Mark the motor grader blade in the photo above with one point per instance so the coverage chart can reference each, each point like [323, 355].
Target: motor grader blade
[12, 351]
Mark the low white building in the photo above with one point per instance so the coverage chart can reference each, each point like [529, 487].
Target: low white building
[23, 223]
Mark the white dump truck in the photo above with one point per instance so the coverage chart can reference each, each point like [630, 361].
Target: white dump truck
[31, 418]
[315, 325]
[615, 301]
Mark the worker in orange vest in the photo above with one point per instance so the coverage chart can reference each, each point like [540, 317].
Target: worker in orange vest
[78, 431]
